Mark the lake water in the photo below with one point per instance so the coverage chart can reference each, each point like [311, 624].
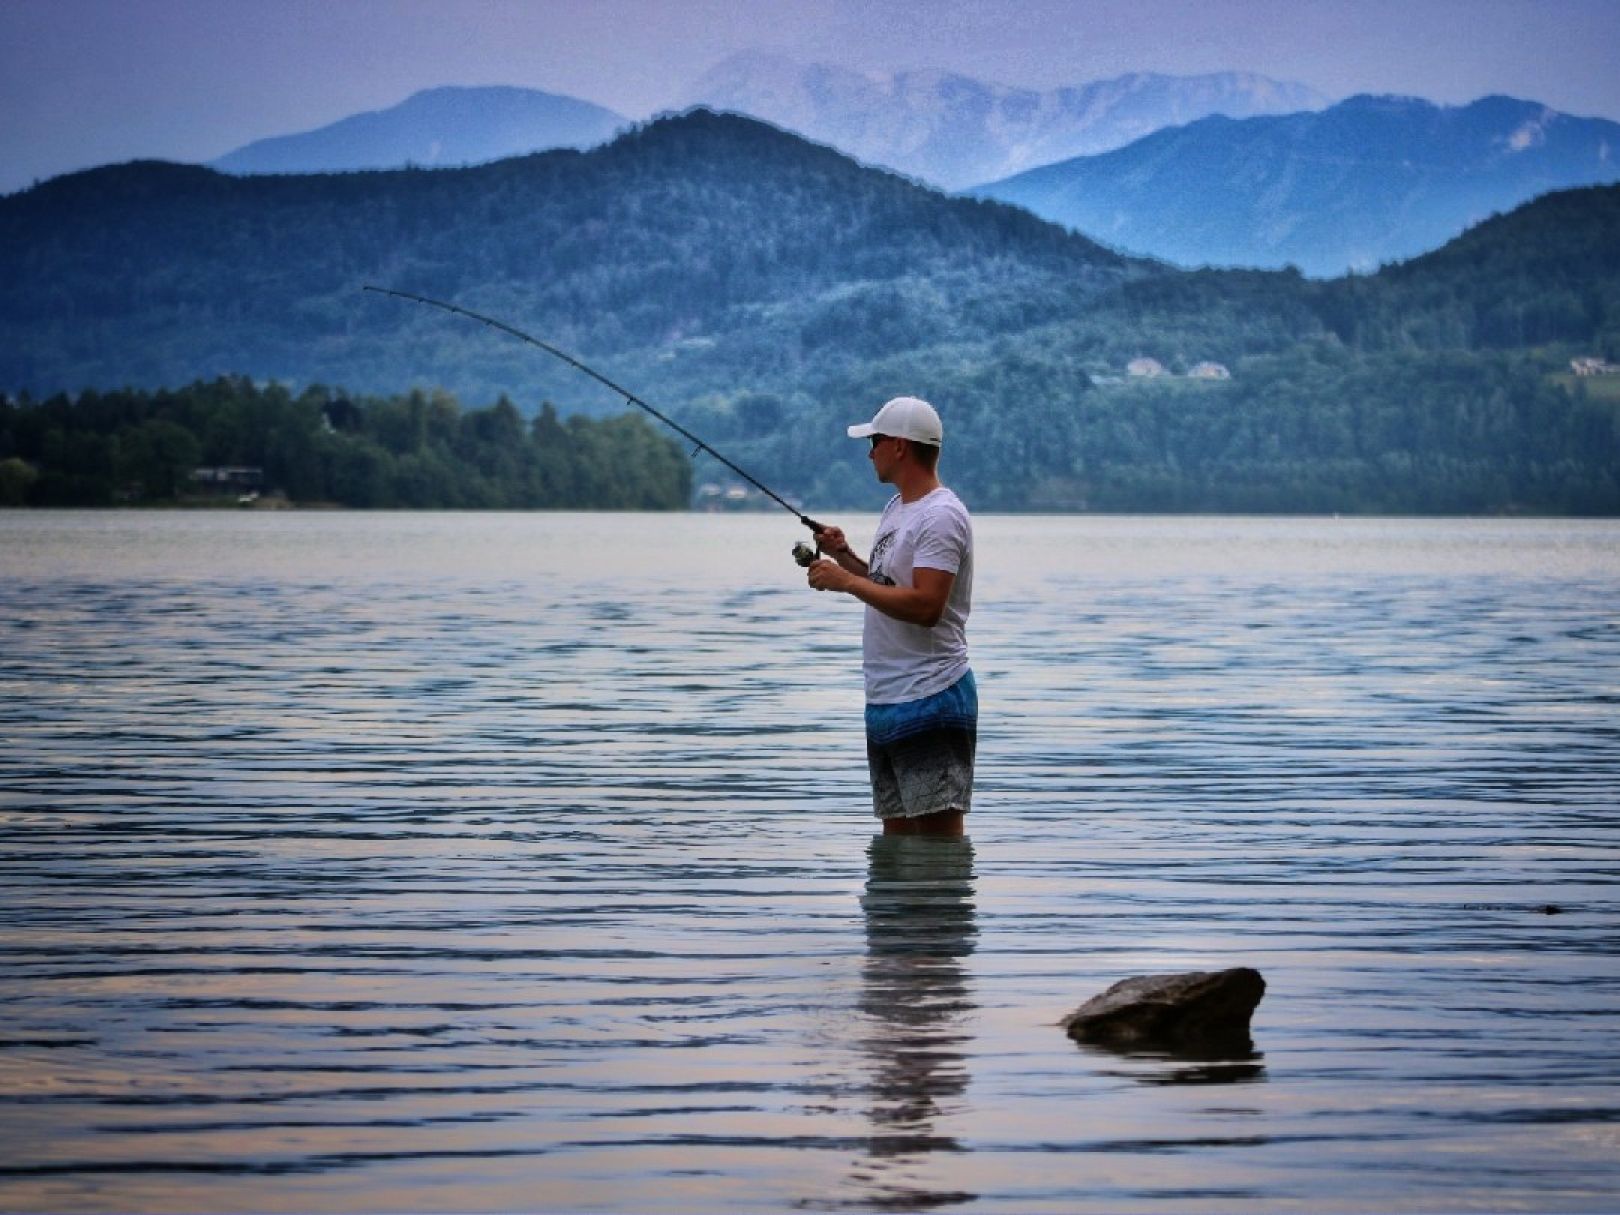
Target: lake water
[463, 862]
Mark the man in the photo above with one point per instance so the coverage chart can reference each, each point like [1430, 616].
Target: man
[922, 707]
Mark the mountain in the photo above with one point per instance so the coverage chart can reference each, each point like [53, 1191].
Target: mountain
[766, 291]
[1540, 283]
[702, 257]
[955, 131]
[443, 126]
[1365, 182]
[1545, 273]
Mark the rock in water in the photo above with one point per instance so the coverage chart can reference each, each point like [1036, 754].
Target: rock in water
[1202, 1011]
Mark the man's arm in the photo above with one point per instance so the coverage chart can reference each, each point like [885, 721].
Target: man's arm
[922, 603]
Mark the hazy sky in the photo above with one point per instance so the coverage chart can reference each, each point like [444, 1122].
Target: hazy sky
[86, 82]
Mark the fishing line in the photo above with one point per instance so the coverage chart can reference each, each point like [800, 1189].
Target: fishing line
[623, 392]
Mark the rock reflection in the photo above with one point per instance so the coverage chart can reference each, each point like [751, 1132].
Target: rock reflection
[1181, 1067]
[917, 1000]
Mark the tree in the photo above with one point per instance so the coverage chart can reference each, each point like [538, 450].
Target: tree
[16, 478]
[159, 455]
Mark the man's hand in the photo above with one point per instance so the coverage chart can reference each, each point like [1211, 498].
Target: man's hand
[825, 575]
[831, 541]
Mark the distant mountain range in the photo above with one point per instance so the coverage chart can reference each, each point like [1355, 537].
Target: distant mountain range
[1368, 181]
[949, 130]
[1226, 169]
[437, 127]
[954, 131]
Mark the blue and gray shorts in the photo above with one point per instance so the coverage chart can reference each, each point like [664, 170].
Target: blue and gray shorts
[920, 753]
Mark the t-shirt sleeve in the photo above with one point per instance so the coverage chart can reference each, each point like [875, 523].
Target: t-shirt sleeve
[942, 540]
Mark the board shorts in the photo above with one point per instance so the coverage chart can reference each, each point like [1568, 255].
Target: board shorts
[920, 752]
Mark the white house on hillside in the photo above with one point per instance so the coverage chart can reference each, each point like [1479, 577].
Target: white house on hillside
[1587, 365]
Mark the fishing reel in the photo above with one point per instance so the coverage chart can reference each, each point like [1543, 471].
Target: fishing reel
[805, 554]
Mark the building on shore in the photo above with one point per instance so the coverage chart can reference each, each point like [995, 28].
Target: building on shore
[1590, 365]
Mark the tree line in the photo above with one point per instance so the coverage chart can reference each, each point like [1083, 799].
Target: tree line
[1315, 428]
[418, 449]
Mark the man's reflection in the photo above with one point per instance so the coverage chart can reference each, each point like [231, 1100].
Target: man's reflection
[917, 1001]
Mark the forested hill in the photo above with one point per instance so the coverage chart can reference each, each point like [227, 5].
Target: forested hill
[678, 237]
[767, 291]
[1544, 273]
[1543, 279]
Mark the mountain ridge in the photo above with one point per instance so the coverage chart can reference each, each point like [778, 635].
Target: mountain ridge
[662, 235]
[453, 125]
[953, 130]
[1368, 181]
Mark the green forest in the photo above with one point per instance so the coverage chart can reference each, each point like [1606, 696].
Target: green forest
[766, 292]
[416, 450]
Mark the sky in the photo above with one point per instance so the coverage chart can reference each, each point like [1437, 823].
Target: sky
[88, 82]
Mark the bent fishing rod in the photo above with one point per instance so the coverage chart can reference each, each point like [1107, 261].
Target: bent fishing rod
[798, 550]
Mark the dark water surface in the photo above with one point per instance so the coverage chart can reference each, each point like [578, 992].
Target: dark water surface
[523, 862]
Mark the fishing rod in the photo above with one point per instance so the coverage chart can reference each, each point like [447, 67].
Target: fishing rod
[799, 550]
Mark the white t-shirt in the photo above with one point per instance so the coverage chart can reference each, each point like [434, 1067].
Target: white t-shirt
[907, 661]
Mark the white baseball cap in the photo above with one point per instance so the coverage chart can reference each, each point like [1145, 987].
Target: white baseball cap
[904, 418]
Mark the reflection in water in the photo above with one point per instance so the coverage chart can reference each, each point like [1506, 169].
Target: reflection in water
[1167, 1067]
[919, 926]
